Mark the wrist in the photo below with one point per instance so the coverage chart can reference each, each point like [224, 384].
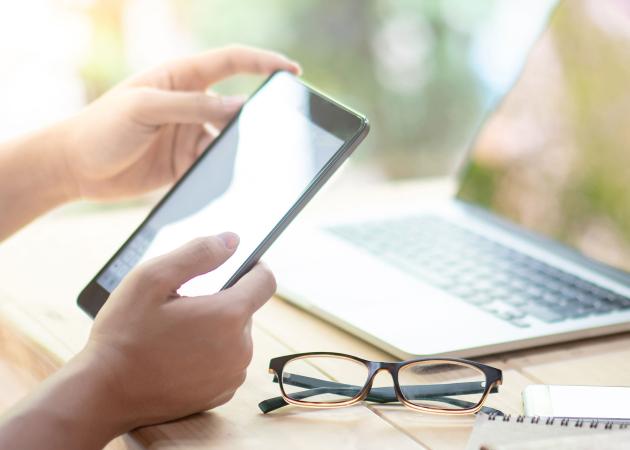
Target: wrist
[46, 163]
[34, 177]
[55, 153]
[84, 401]
[96, 396]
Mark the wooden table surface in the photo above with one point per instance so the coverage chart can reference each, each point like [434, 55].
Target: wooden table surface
[43, 268]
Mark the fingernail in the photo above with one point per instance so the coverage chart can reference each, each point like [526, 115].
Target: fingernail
[233, 101]
[230, 240]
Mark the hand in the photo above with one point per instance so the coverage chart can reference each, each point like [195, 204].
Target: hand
[152, 355]
[168, 356]
[148, 130]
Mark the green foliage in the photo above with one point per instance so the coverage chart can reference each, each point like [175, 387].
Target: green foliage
[480, 184]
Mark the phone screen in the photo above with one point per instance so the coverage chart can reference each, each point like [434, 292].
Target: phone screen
[246, 182]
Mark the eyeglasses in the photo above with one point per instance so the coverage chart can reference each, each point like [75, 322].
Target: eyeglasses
[332, 380]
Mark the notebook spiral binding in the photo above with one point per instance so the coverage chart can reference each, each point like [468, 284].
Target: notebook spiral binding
[562, 421]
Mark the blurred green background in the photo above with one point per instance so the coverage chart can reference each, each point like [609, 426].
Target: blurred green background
[423, 71]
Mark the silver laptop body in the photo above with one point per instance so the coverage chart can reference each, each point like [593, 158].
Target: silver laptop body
[507, 260]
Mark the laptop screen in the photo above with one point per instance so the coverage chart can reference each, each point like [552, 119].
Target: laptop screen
[555, 156]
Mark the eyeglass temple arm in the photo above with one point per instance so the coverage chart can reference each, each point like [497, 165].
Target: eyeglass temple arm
[385, 394]
[274, 403]
[380, 395]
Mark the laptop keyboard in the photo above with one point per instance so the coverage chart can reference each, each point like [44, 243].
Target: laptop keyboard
[502, 281]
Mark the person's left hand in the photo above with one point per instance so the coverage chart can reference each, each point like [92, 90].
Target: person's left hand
[146, 131]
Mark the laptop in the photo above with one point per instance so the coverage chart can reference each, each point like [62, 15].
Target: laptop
[530, 250]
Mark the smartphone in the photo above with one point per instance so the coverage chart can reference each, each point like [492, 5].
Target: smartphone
[600, 402]
[264, 167]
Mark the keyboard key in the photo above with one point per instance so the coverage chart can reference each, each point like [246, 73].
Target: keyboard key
[586, 299]
[602, 307]
[617, 300]
[534, 291]
[542, 313]
[578, 313]
[520, 323]
[503, 311]
[516, 299]
[477, 299]
[555, 300]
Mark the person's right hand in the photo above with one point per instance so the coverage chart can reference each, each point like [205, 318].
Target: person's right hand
[163, 356]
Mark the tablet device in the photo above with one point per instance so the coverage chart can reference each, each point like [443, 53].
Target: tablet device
[255, 177]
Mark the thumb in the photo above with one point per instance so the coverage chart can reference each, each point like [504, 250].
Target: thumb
[169, 272]
[158, 107]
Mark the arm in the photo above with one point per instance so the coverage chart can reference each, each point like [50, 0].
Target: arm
[75, 400]
[32, 179]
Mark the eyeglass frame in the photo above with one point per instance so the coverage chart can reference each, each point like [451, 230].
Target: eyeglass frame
[494, 378]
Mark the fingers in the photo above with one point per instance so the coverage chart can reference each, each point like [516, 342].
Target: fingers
[204, 140]
[189, 143]
[168, 272]
[200, 71]
[251, 292]
[239, 302]
[155, 107]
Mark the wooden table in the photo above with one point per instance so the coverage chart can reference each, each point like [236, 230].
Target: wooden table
[43, 268]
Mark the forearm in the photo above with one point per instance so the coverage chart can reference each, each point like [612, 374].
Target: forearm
[71, 410]
[33, 178]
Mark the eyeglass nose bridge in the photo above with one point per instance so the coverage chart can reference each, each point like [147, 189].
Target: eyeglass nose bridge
[376, 367]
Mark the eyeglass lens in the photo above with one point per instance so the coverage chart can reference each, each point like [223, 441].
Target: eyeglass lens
[323, 379]
[442, 384]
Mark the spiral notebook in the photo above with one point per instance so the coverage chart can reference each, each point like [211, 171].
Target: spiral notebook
[537, 433]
